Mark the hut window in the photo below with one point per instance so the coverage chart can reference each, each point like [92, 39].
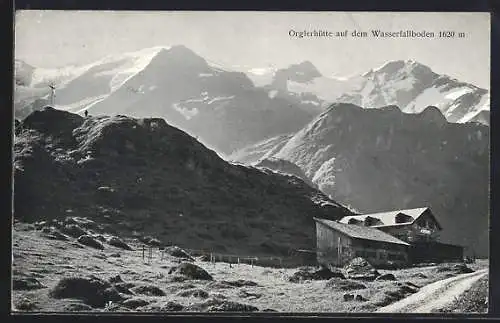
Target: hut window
[402, 218]
[353, 221]
[369, 221]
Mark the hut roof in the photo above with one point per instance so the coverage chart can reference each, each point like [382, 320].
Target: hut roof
[389, 218]
[361, 232]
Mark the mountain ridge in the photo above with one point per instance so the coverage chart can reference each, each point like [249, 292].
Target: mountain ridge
[385, 159]
[143, 175]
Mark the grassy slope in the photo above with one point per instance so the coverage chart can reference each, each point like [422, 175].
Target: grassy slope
[50, 260]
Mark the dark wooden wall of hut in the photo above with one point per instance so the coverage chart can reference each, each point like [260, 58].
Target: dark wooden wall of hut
[432, 251]
[333, 247]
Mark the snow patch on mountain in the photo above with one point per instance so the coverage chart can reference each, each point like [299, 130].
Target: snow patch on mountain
[130, 64]
[316, 103]
[261, 76]
[188, 113]
[458, 104]
[481, 115]
[261, 71]
[453, 95]
[220, 98]
[42, 77]
[328, 89]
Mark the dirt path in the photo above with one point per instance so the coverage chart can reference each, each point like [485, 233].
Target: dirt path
[436, 295]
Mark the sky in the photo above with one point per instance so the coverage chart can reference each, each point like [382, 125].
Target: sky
[244, 40]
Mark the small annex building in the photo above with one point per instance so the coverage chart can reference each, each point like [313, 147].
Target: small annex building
[395, 237]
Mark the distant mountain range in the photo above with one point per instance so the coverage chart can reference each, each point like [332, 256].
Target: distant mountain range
[406, 83]
[228, 110]
[398, 136]
[222, 108]
[384, 159]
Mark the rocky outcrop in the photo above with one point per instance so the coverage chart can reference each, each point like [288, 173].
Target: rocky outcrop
[90, 241]
[191, 271]
[360, 268]
[319, 274]
[92, 290]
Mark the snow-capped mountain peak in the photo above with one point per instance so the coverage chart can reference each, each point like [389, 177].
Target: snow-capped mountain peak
[303, 72]
[174, 83]
[81, 87]
[395, 65]
[408, 84]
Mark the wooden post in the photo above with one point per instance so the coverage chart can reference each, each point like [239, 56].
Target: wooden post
[238, 260]
[339, 254]
[143, 251]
